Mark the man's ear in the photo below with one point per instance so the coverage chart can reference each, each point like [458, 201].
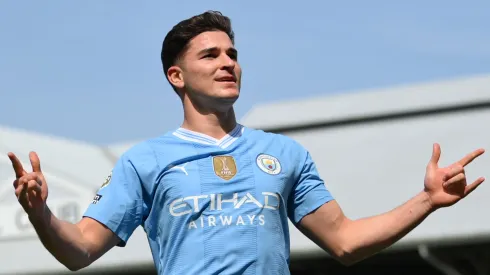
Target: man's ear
[175, 77]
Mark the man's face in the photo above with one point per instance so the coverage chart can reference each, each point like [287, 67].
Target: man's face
[210, 67]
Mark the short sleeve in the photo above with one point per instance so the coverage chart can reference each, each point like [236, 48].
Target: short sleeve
[118, 204]
[309, 190]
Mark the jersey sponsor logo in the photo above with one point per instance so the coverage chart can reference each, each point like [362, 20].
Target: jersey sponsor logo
[218, 203]
[268, 164]
[224, 167]
[226, 220]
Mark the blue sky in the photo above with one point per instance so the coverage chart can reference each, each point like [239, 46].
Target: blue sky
[90, 70]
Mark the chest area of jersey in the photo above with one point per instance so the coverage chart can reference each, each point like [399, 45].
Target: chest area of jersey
[222, 181]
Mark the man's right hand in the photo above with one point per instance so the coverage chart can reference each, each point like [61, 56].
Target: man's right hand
[30, 188]
[74, 245]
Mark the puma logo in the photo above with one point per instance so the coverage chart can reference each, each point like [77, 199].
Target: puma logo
[180, 167]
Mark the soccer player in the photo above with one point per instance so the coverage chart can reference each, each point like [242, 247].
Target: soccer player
[213, 196]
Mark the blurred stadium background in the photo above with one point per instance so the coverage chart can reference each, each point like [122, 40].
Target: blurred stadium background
[367, 145]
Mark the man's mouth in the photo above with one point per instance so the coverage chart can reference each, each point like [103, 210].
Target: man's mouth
[226, 79]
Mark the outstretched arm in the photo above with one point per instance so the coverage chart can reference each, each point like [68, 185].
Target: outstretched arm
[350, 241]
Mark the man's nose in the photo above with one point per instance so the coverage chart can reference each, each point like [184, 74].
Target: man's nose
[227, 63]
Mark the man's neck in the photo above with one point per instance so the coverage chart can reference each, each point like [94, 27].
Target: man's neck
[214, 124]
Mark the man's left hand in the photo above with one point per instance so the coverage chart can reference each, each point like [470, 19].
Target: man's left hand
[447, 185]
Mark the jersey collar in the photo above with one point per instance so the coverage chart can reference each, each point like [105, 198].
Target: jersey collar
[224, 142]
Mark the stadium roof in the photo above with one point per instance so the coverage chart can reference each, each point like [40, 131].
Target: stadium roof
[277, 116]
[371, 147]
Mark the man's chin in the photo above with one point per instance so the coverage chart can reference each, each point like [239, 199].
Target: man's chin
[224, 102]
[228, 99]
[228, 95]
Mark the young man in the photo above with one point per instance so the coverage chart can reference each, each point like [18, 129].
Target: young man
[214, 196]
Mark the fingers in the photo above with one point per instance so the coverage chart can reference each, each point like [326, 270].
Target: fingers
[35, 162]
[458, 184]
[17, 165]
[34, 185]
[470, 157]
[459, 178]
[16, 183]
[27, 186]
[470, 188]
[436, 155]
[453, 170]
[21, 188]
[456, 172]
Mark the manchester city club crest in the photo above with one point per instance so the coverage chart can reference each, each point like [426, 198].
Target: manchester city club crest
[268, 164]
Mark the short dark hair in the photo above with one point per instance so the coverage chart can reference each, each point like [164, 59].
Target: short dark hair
[177, 39]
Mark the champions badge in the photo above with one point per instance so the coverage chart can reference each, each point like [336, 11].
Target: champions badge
[224, 167]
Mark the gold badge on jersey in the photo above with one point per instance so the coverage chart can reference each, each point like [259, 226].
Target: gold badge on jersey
[224, 167]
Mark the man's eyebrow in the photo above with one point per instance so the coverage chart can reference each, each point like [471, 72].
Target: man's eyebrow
[208, 50]
[232, 50]
[213, 49]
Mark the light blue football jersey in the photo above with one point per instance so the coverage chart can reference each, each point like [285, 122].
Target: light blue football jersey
[212, 206]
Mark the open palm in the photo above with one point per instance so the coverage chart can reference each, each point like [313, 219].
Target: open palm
[447, 185]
